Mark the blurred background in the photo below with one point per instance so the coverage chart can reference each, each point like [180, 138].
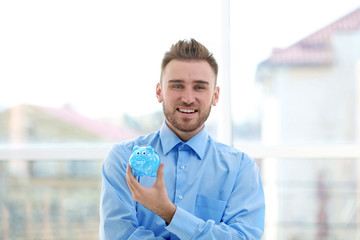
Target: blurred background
[78, 76]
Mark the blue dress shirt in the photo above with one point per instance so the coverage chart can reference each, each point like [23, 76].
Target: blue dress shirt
[217, 191]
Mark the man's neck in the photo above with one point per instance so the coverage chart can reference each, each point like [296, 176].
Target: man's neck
[184, 136]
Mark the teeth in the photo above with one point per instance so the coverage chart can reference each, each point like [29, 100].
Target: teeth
[187, 110]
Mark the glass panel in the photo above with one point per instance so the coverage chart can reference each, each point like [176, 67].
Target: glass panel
[313, 198]
[54, 200]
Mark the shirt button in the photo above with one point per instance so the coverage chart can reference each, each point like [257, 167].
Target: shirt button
[182, 167]
[180, 197]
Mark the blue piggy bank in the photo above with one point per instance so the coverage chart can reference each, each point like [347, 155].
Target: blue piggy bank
[144, 161]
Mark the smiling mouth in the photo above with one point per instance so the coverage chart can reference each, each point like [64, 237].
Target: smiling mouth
[187, 110]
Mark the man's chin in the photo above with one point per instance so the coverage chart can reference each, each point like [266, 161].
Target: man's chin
[187, 127]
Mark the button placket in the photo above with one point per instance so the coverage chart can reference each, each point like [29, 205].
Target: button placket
[183, 155]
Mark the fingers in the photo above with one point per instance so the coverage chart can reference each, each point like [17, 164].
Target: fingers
[129, 176]
[131, 179]
[128, 170]
[134, 186]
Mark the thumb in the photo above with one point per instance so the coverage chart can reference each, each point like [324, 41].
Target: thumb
[160, 174]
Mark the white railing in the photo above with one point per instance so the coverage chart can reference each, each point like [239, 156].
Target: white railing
[99, 151]
[302, 151]
[54, 151]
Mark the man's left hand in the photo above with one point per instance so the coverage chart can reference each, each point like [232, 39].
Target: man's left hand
[154, 198]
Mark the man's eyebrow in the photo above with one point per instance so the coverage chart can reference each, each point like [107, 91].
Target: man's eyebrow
[202, 82]
[175, 81]
[182, 81]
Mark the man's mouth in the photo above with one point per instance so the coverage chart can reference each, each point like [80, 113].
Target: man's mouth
[187, 110]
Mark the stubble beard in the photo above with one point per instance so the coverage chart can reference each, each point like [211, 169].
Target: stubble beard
[182, 124]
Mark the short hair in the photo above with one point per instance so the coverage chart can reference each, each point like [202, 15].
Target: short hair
[189, 50]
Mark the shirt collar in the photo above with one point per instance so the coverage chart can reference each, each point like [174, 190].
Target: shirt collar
[169, 140]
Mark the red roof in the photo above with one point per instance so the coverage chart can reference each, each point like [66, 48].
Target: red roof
[316, 48]
[96, 127]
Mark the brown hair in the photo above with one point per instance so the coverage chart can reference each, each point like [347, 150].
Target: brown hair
[189, 50]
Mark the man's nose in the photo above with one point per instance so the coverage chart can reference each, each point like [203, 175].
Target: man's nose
[188, 96]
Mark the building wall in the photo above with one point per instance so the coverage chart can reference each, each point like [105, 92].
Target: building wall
[315, 104]
[312, 105]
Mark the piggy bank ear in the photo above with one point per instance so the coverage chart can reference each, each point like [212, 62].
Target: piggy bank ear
[150, 149]
[135, 148]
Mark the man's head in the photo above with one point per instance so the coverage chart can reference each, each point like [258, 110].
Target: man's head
[188, 87]
[189, 50]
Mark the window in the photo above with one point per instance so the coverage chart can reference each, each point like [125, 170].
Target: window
[79, 76]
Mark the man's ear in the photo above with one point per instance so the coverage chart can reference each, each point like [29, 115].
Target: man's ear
[159, 92]
[216, 96]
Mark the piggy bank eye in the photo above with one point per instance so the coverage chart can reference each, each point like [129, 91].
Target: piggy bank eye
[144, 153]
[137, 153]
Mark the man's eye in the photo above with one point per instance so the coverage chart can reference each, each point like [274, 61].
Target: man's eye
[177, 86]
[199, 87]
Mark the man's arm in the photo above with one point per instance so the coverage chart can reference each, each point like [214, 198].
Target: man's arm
[118, 216]
[243, 217]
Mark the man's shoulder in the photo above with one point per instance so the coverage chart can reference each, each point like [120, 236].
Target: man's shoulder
[226, 149]
[120, 152]
[231, 153]
[143, 140]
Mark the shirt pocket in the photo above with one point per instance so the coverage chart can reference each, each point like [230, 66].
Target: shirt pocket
[209, 208]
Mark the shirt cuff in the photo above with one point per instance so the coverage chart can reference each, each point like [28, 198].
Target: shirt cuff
[183, 224]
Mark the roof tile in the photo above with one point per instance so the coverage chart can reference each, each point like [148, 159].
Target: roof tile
[316, 48]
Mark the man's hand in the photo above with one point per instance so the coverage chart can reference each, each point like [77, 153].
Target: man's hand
[154, 198]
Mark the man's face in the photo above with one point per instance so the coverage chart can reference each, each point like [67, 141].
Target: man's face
[187, 91]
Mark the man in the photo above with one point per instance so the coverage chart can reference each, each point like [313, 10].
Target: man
[203, 189]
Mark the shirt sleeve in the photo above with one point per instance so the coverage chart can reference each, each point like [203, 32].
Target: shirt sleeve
[117, 208]
[243, 216]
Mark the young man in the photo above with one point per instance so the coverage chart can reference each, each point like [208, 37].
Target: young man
[203, 189]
